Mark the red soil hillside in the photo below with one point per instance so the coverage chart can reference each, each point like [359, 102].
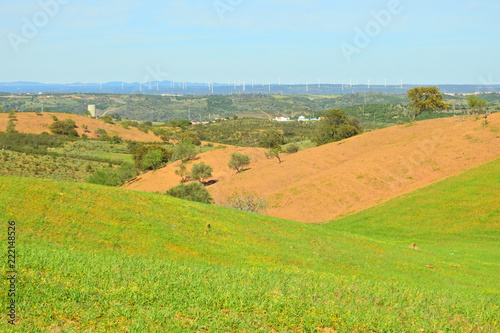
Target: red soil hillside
[165, 178]
[29, 122]
[341, 178]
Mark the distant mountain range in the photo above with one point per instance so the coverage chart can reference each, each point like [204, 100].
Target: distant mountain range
[189, 88]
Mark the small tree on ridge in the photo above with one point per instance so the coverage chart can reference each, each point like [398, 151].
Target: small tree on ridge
[238, 161]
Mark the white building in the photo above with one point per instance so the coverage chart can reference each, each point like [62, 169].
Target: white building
[282, 119]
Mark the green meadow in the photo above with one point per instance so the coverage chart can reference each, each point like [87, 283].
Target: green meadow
[99, 259]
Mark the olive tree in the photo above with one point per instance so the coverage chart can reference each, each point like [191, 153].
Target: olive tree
[201, 171]
[424, 99]
[238, 161]
[274, 153]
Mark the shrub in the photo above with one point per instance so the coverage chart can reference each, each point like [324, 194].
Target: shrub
[291, 148]
[133, 146]
[112, 176]
[272, 139]
[100, 131]
[201, 171]
[64, 127]
[182, 123]
[152, 160]
[193, 192]
[336, 126]
[144, 127]
[142, 151]
[115, 139]
[274, 153]
[184, 151]
[165, 137]
[192, 137]
[12, 113]
[107, 176]
[107, 119]
[11, 127]
[183, 173]
[238, 161]
[247, 202]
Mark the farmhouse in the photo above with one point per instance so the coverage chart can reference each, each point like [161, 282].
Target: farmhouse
[282, 119]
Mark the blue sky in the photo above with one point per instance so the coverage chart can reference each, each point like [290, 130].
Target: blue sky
[420, 42]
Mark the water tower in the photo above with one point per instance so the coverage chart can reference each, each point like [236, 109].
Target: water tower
[92, 110]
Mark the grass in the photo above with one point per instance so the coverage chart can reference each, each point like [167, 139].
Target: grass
[92, 258]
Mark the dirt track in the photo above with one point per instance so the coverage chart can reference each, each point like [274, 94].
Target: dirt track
[341, 178]
[30, 122]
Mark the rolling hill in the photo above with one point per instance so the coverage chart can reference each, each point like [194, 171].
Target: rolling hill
[30, 122]
[92, 258]
[165, 178]
[345, 177]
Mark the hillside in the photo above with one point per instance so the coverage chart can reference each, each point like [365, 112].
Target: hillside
[165, 178]
[341, 178]
[30, 122]
[92, 258]
[374, 109]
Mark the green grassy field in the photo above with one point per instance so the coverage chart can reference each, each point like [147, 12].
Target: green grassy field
[98, 259]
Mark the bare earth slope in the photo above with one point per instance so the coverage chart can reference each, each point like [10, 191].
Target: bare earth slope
[341, 178]
[165, 178]
[30, 122]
